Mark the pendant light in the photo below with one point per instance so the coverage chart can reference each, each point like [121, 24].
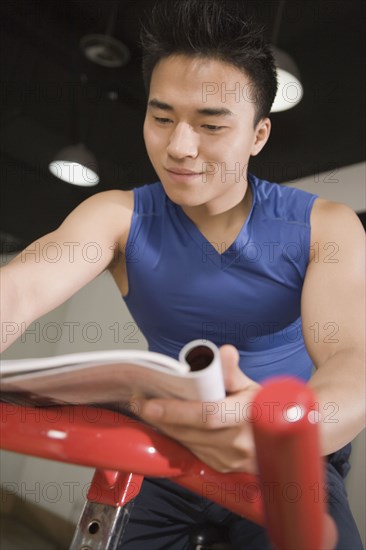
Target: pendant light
[290, 90]
[75, 164]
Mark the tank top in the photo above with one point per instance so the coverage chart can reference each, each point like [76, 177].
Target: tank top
[248, 294]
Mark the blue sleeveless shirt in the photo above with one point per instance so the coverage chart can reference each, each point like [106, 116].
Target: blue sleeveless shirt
[248, 295]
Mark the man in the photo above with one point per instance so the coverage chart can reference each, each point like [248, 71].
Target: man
[213, 251]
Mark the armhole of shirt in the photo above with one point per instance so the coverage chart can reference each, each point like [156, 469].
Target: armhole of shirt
[307, 238]
[132, 229]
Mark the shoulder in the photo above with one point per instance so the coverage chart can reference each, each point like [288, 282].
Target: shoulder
[328, 217]
[282, 202]
[113, 198]
[336, 225]
[110, 206]
[149, 199]
[147, 195]
[105, 216]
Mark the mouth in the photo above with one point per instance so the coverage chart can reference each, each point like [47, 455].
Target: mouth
[182, 172]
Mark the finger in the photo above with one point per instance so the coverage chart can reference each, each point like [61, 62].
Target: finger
[215, 448]
[235, 380]
[171, 412]
[206, 416]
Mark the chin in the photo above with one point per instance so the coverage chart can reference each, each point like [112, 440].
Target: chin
[189, 196]
[184, 198]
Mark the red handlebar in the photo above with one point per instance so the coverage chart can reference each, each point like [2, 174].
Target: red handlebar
[286, 435]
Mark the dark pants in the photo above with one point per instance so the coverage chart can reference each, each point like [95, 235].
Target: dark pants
[164, 515]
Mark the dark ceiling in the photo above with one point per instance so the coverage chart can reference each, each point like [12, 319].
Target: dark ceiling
[41, 64]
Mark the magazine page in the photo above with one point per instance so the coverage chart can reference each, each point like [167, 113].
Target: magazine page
[196, 376]
[71, 360]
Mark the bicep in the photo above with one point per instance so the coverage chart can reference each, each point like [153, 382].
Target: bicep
[333, 296]
[57, 265]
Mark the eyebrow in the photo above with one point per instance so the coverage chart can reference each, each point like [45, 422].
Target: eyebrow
[207, 111]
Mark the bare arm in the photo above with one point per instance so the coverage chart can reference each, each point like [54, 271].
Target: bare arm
[333, 302]
[333, 315]
[54, 267]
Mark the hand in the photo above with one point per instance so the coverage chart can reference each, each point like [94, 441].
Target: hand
[220, 433]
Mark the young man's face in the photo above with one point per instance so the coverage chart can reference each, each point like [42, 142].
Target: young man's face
[199, 131]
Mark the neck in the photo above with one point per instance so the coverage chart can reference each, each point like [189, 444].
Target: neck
[222, 215]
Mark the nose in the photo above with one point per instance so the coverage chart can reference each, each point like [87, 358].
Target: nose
[183, 142]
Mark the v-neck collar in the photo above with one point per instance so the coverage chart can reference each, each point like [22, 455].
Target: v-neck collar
[208, 251]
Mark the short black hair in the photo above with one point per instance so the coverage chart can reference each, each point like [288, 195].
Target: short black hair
[213, 29]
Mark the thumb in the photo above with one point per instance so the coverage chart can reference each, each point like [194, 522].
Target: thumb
[234, 379]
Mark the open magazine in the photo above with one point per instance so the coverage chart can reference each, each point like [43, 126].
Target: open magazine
[114, 377]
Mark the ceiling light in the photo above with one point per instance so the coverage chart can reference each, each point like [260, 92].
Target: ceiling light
[75, 165]
[290, 89]
[105, 50]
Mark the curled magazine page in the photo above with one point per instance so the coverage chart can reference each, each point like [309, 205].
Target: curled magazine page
[115, 377]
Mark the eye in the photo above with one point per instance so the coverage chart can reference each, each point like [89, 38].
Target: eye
[212, 128]
[161, 120]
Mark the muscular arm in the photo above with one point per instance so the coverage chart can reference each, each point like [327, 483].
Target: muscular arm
[56, 266]
[333, 325]
[333, 316]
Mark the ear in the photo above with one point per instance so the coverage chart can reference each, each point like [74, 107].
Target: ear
[261, 136]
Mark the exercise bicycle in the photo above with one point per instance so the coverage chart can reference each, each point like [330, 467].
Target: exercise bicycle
[124, 450]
